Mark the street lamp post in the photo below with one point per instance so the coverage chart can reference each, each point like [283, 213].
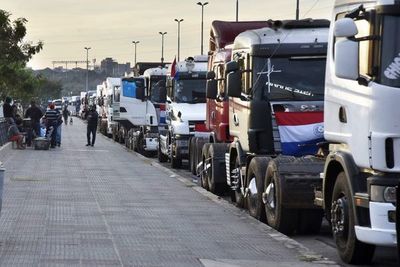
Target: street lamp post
[297, 9]
[179, 36]
[162, 46]
[87, 68]
[202, 22]
[135, 43]
[237, 10]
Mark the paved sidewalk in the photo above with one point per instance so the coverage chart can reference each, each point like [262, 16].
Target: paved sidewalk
[106, 206]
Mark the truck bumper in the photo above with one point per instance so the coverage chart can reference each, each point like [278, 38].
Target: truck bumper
[382, 232]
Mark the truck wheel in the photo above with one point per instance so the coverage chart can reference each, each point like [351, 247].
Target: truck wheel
[140, 145]
[216, 171]
[203, 174]
[278, 217]
[198, 152]
[255, 186]
[161, 157]
[349, 248]
[192, 153]
[310, 221]
[236, 194]
[176, 162]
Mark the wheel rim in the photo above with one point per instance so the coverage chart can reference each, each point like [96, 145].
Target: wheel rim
[269, 198]
[209, 175]
[253, 192]
[339, 218]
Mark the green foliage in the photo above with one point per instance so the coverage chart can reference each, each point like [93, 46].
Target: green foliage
[15, 79]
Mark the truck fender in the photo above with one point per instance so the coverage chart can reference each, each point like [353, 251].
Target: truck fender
[335, 163]
[236, 148]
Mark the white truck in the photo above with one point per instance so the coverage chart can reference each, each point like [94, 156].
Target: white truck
[275, 82]
[362, 169]
[186, 108]
[149, 114]
[109, 87]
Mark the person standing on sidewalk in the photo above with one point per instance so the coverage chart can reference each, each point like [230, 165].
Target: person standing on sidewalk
[65, 114]
[52, 117]
[92, 117]
[34, 113]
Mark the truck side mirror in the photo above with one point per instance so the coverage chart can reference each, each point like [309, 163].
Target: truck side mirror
[345, 27]
[234, 83]
[346, 50]
[347, 59]
[140, 93]
[211, 89]
[231, 66]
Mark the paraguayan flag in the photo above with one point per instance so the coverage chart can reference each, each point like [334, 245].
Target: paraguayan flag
[300, 132]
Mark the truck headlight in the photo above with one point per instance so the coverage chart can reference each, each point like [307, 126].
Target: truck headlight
[380, 193]
[389, 194]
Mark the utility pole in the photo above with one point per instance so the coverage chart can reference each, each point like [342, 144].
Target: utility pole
[297, 10]
[179, 36]
[162, 46]
[87, 68]
[202, 22]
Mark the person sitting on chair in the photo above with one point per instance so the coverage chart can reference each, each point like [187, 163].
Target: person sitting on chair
[14, 135]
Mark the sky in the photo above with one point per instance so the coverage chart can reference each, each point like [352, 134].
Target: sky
[109, 27]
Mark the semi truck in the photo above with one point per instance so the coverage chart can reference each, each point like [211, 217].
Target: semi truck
[185, 108]
[207, 148]
[107, 90]
[361, 173]
[143, 136]
[275, 84]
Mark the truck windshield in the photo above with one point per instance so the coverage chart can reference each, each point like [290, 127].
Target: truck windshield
[156, 86]
[190, 91]
[292, 79]
[390, 62]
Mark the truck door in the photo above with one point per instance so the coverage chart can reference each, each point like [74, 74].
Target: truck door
[133, 104]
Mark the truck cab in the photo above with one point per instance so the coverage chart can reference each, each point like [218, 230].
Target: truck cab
[275, 82]
[185, 108]
[362, 168]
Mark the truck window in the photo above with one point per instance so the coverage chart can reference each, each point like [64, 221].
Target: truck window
[289, 79]
[390, 57]
[364, 29]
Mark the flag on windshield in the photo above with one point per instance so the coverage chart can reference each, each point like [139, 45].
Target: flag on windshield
[300, 132]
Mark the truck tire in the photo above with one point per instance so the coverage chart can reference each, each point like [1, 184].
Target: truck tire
[176, 162]
[198, 155]
[278, 217]
[349, 248]
[216, 174]
[161, 157]
[203, 175]
[192, 153]
[255, 186]
[140, 146]
[236, 195]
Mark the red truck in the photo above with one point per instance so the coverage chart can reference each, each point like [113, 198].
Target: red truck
[208, 146]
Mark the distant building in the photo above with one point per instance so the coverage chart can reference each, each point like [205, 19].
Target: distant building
[112, 68]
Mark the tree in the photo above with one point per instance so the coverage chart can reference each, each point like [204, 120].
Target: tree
[15, 79]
